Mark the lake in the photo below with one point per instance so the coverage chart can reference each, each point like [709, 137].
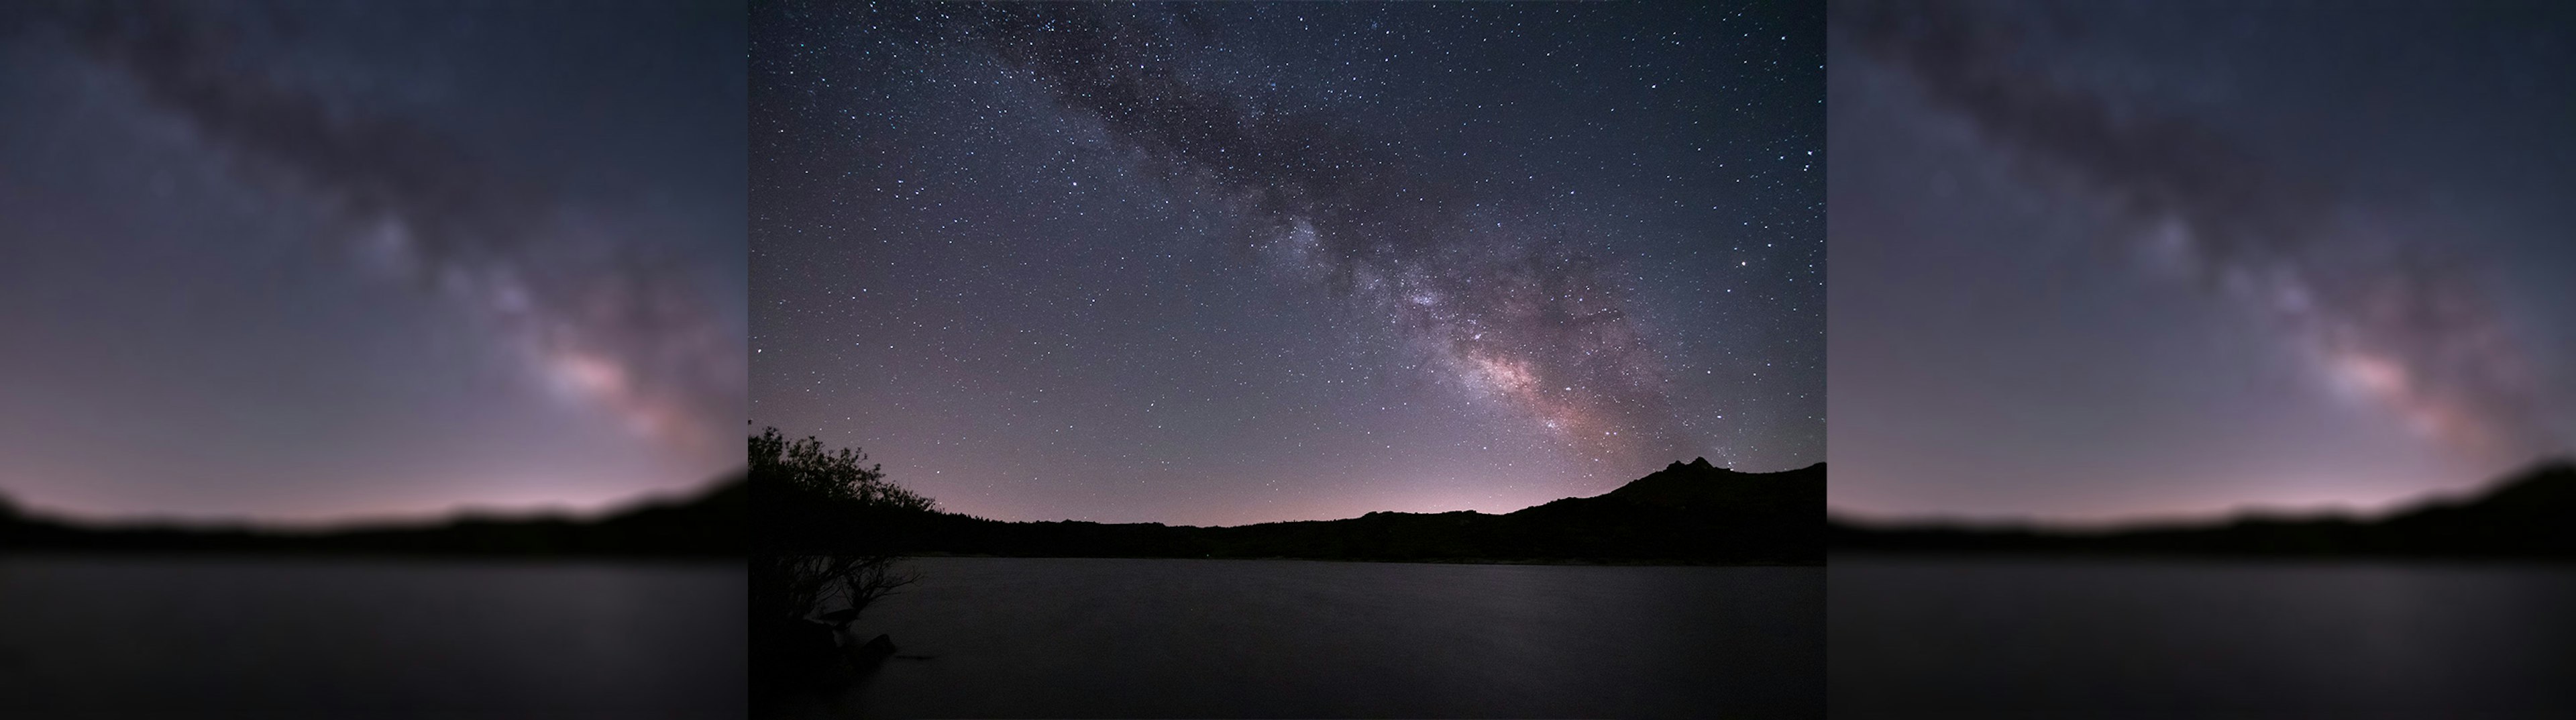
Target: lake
[1911, 637]
[376, 638]
[1023, 637]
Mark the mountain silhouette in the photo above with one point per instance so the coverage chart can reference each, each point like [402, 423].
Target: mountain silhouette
[1687, 513]
[707, 524]
[2528, 514]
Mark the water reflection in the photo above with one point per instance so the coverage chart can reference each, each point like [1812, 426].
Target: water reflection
[1020, 637]
[124, 635]
[1910, 636]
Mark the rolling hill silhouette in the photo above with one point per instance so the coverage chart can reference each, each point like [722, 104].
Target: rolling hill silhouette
[1687, 513]
[709, 524]
[2529, 514]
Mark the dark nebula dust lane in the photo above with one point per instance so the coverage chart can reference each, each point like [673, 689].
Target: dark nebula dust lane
[387, 259]
[2170, 145]
[2392, 317]
[1586, 236]
[636, 331]
[1503, 315]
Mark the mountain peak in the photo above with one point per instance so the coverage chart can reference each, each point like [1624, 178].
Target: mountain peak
[1699, 483]
[1695, 464]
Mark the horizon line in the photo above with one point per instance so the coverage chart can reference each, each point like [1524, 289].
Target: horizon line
[1808, 466]
[368, 520]
[2150, 521]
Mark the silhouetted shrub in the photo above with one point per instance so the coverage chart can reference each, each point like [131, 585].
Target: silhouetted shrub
[815, 517]
[807, 473]
[792, 587]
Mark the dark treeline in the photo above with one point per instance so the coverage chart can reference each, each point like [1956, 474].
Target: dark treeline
[1685, 514]
[830, 532]
[708, 525]
[2531, 514]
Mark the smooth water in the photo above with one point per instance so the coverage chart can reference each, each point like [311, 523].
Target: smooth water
[155, 637]
[1988, 637]
[1017, 637]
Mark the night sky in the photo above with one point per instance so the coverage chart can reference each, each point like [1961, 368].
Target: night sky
[2107, 260]
[293, 261]
[1229, 263]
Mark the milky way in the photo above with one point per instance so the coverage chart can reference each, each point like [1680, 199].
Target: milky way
[1585, 231]
[1506, 315]
[310, 259]
[600, 315]
[2397, 319]
[2110, 262]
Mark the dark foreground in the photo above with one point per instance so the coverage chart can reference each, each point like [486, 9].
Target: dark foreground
[1027, 637]
[198, 636]
[1688, 513]
[2530, 515]
[707, 525]
[1989, 636]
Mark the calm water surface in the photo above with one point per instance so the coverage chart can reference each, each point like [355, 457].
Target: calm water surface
[316, 637]
[1018, 637]
[1987, 637]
